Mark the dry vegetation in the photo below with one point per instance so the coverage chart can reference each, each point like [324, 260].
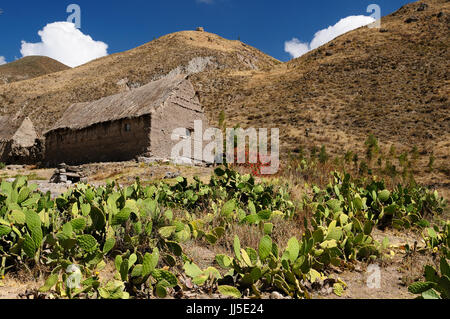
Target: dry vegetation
[28, 68]
[44, 99]
[391, 82]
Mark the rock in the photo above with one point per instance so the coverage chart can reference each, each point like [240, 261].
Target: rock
[358, 268]
[412, 19]
[14, 167]
[151, 160]
[62, 165]
[276, 295]
[384, 30]
[74, 169]
[65, 174]
[422, 7]
[200, 29]
[171, 175]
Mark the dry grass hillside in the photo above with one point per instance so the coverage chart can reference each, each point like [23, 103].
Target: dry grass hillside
[392, 82]
[44, 99]
[29, 67]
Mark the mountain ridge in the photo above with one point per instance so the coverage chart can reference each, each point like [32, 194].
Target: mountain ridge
[29, 67]
[391, 82]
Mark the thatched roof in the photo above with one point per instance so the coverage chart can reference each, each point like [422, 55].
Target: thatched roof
[7, 129]
[19, 129]
[130, 104]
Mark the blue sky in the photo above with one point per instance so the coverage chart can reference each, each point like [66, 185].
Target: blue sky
[123, 25]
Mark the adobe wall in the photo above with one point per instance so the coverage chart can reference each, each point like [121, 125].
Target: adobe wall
[105, 142]
[179, 111]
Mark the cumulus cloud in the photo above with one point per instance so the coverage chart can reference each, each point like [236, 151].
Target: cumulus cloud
[2, 60]
[65, 43]
[296, 48]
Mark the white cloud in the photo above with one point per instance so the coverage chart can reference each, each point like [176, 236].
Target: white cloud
[2, 60]
[63, 42]
[296, 48]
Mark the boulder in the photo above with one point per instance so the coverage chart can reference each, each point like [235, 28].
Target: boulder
[171, 175]
[412, 19]
[422, 7]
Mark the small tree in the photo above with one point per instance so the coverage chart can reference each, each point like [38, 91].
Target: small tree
[300, 153]
[355, 160]
[323, 156]
[380, 161]
[363, 168]
[313, 153]
[372, 147]
[431, 162]
[348, 156]
[392, 171]
[415, 153]
[403, 160]
[392, 151]
[222, 120]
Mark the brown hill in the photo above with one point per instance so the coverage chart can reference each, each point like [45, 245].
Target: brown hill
[44, 99]
[29, 67]
[392, 82]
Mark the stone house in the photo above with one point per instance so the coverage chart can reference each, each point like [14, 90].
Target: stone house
[19, 141]
[136, 123]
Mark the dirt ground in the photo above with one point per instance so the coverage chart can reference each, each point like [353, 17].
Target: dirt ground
[396, 269]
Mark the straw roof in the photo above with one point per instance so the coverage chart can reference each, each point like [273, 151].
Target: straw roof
[7, 128]
[20, 130]
[130, 104]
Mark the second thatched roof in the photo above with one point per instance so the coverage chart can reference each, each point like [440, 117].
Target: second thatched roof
[18, 129]
[130, 104]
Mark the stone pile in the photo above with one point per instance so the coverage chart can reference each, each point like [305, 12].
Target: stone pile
[68, 175]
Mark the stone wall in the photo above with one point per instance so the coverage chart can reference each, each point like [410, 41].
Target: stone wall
[104, 142]
[179, 111]
[14, 153]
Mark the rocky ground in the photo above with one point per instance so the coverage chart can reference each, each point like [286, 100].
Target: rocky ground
[397, 270]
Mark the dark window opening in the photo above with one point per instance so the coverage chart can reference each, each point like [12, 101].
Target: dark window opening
[189, 132]
[127, 127]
